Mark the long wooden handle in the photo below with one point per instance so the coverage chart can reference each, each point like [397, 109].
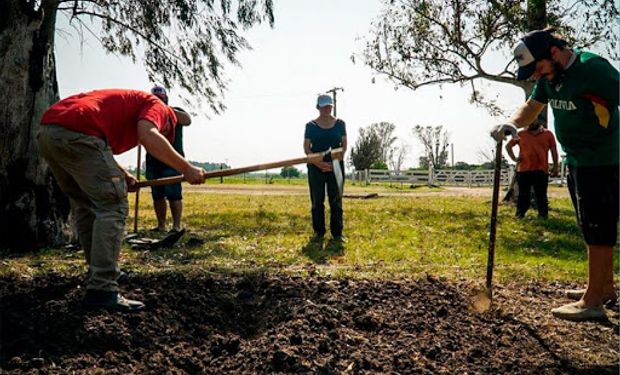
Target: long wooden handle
[336, 154]
[493, 225]
[137, 203]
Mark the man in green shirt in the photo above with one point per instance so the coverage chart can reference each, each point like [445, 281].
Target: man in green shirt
[582, 89]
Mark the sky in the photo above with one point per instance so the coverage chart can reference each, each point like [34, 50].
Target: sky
[273, 95]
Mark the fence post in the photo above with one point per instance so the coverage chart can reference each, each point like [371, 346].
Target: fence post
[430, 175]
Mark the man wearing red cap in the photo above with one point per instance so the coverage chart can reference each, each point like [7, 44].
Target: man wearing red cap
[78, 137]
[582, 89]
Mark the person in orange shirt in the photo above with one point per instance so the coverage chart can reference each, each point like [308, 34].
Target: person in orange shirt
[533, 166]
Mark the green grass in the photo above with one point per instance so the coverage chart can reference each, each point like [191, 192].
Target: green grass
[391, 236]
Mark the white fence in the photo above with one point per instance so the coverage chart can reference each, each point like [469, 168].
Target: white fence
[432, 177]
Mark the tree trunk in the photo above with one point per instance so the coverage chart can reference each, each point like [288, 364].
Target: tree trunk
[33, 211]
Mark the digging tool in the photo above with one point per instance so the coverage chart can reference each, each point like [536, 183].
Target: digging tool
[337, 172]
[333, 155]
[482, 301]
[137, 204]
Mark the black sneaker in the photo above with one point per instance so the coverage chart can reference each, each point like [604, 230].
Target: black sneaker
[96, 299]
[340, 239]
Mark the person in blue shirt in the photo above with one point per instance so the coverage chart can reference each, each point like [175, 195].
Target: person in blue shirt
[157, 169]
[322, 133]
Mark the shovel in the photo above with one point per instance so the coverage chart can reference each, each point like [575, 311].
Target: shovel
[482, 301]
[333, 155]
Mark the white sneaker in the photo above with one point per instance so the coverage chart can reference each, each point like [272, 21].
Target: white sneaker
[577, 312]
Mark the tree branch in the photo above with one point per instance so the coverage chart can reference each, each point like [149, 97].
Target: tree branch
[132, 29]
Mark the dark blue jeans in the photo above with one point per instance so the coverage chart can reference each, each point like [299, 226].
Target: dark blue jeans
[539, 180]
[318, 180]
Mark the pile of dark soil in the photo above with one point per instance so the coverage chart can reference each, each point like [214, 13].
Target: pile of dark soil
[225, 324]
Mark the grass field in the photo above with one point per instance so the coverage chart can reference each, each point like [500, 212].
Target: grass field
[389, 236]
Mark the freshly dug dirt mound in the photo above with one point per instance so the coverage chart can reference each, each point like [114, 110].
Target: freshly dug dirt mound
[224, 324]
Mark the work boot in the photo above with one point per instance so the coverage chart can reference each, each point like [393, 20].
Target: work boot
[340, 239]
[578, 312]
[96, 299]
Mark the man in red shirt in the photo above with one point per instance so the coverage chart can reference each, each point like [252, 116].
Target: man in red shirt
[533, 166]
[78, 137]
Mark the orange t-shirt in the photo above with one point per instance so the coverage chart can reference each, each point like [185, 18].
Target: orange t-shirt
[112, 114]
[534, 150]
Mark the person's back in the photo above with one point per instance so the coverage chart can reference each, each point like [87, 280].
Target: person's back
[111, 114]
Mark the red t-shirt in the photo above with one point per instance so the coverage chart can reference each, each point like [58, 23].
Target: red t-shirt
[112, 114]
[534, 150]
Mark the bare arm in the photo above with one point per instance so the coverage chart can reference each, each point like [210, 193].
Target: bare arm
[183, 117]
[527, 113]
[344, 145]
[157, 145]
[509, 147]
[129, 178]
[554, 156]
[307, 145]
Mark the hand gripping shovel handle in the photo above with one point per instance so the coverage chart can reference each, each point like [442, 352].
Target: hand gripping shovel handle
[334, 154]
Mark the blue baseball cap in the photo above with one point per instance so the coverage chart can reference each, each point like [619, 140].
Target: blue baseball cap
[158, 90]
[324, 100]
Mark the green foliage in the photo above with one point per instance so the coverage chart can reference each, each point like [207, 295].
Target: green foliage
[419, 42]
[375, 147]
[182, 42]
[462, 166]
[385, 132]
[288, 172]
[379, 164]
[367, 149]
[423, 162]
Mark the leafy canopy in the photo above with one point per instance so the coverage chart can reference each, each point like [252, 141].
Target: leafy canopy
[424, 42]
[182, 42]
[367, 149]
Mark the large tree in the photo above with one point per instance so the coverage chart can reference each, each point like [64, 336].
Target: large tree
[367, 149]
[435, 141]
[385, 132]
[181, 42]
[397, 157]
[416, 43]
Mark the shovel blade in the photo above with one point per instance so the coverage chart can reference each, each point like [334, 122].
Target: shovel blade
[481, 301]
[339, 176]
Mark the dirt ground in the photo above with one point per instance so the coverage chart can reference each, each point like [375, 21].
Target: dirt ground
[264, 324]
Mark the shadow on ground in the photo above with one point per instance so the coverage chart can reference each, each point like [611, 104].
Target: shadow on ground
[320, 250]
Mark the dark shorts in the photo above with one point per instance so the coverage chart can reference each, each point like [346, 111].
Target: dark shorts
[171, 192]
[594, 192]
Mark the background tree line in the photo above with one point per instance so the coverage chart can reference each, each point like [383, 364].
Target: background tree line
[376, 147]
